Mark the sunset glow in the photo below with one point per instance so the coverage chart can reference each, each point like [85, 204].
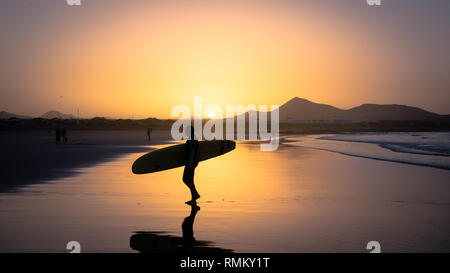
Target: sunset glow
[142, 58]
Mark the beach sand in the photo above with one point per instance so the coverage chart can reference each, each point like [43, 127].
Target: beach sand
[296, 199]
[32, 156]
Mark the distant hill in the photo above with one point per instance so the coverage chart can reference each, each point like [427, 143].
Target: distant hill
[298, 108]
[55, 114]
[390, 112]
[7, 115]
[303, 109]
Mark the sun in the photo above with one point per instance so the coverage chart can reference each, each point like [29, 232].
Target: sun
[211, 114]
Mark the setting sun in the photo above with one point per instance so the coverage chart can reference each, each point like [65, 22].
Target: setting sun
[211, 115]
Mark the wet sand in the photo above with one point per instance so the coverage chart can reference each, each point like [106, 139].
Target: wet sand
[31, 157]
[293, 200]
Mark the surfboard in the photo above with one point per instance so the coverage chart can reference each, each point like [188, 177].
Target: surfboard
[175, 156]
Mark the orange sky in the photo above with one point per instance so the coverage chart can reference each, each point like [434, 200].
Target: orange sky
[141, 59]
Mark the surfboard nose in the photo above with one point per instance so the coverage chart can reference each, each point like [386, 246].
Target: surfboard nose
[231, 144]
[135, 168]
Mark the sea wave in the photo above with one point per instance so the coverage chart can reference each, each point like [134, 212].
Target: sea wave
[425, 149]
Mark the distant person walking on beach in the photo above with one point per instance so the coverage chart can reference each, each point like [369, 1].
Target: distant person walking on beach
[58, 135]
[64, 134]
[191, 164]
[149, 132]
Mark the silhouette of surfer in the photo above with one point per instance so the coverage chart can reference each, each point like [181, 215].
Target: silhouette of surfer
[191, 164]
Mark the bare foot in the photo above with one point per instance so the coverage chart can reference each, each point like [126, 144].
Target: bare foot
[192, 202]
[196, 196]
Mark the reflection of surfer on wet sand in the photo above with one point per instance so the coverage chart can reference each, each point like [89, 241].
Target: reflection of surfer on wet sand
[161, 242]
[188, 228]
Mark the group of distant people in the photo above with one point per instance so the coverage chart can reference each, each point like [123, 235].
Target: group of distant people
[61, 135]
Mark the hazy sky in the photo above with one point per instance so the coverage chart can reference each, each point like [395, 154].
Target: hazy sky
[124, 58]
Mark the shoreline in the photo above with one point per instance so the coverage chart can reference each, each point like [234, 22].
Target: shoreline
[425, 149]
[34, 158]
[376, 158]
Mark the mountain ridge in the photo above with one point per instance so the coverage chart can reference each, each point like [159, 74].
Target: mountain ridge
[47, 115]
[303, 109]
[8, 115]
[55, 114]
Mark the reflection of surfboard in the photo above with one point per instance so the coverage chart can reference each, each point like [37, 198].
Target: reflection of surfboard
[175, 156]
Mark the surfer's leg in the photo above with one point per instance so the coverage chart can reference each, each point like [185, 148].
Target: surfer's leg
[194, 192]
[188, 179]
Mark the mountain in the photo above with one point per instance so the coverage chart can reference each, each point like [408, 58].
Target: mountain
[303, 109]
[48, 115]
[390, 112]
[55, 114]
[298, 108]
[7, 115]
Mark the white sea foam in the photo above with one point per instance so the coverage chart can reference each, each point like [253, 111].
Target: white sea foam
[426, 149]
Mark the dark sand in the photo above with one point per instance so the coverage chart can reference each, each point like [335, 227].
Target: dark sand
[33, 157]
[296, 199]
